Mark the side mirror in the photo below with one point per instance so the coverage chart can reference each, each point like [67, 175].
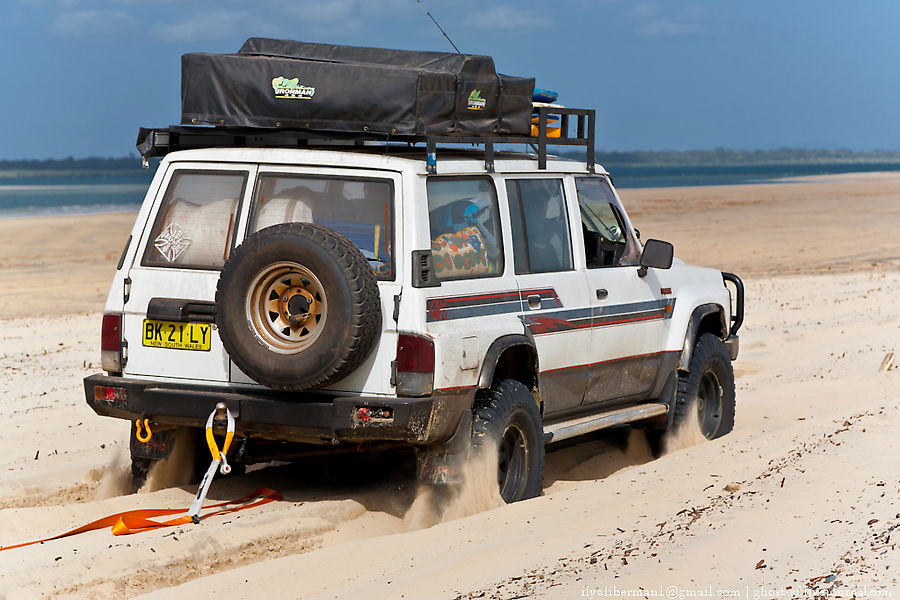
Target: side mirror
[657, 254]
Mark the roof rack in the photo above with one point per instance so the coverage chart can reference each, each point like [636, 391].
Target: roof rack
[159, 142]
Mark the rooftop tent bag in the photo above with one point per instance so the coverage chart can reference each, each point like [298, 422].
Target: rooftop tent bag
[495, 107]
[276, 83]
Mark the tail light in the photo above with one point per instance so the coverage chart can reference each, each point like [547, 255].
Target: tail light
[110, 394]
[112, 347]
[414, 365]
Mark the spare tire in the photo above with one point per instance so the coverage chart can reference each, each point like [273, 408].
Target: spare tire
[297, 306]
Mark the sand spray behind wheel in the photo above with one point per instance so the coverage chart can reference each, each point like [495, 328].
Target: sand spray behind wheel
[686, 435]
[173, 471]
[116, 478]
[477, 493]
[177, 468]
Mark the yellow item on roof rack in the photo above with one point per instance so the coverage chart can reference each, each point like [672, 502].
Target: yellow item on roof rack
[552, 132]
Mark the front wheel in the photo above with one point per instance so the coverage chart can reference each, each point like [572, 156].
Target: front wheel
[507, 423]
[706, 392]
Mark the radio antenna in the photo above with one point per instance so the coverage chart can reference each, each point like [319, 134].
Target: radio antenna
[436, 24]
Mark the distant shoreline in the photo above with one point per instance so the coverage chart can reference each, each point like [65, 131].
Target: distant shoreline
[700, 176]
[717, 158]
[113, 210]
[115, 185]
[79, 210]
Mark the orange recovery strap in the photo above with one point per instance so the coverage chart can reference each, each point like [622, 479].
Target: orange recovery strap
[137, 521]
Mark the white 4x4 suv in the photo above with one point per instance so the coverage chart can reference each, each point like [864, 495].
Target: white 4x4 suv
[330, 297]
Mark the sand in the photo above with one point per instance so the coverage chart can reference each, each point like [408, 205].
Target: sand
[59, 265]
[801, 498]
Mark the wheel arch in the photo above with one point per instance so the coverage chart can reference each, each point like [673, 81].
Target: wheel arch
[706, 318]
[510, 357]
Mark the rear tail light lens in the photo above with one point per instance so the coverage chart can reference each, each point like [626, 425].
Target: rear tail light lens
[111, 346]
[110, 394]
[111, 337]
[415, 365]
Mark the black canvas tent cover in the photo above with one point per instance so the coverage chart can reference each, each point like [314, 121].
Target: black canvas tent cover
[286, 84]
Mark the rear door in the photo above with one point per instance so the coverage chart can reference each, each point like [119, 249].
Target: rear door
[359, 204]
[553, 293]
[168, 322]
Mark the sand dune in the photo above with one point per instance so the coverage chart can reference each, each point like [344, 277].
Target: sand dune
[802, 497]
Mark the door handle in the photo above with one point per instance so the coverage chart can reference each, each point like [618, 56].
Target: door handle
[534, 301]
[602, 294]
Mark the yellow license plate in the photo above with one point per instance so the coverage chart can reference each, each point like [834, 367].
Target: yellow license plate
[177, 336]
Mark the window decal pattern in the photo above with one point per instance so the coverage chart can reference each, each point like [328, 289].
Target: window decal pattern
[172, 242]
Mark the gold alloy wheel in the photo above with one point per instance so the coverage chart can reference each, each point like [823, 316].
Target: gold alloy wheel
[287, 307]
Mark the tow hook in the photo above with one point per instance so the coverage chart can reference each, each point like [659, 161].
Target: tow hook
[141, 437]
[220, 421]
[219, 462]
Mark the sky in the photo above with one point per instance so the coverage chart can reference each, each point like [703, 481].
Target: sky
[79, 77]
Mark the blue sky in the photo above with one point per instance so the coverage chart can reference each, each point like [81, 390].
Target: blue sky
[80, 76]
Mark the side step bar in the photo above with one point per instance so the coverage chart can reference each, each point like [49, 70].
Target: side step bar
[569, 429]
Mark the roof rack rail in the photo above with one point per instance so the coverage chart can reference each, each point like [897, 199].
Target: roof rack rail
[159, 142]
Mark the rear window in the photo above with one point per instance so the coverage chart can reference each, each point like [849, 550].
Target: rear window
[195, 223]
[360, 209]
[540, 230]
[465, 227]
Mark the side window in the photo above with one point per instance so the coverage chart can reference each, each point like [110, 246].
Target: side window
[607, 241]
[465, 227]
[360, 209]
[540, 228]
[195, 223]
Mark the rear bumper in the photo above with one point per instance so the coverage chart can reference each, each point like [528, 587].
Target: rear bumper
[311, 417]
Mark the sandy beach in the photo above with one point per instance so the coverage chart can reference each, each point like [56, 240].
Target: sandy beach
[803, 498]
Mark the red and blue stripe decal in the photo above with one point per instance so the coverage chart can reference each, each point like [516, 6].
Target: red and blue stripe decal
[480, 305]
[547, 318]
[600, 316]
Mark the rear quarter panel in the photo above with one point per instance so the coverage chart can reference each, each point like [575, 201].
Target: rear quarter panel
[461, 335]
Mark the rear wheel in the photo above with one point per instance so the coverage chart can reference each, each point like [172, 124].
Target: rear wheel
[706, 392]
[507, 423]
[186, 450]
[140, 470]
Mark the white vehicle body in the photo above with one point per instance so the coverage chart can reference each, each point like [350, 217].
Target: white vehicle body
[588, 338]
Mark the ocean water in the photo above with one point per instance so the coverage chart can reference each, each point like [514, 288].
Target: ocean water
[30, 195]
[643, 177]
[27, 194]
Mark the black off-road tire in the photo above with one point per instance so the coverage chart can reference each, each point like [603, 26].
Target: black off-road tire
[297, 306]
[507, 421]
[140, 469]
[706, 392]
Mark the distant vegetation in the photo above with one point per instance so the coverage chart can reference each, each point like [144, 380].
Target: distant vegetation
[75, 167]
[723, 157]
[665, 158]
[68, 164]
